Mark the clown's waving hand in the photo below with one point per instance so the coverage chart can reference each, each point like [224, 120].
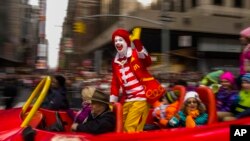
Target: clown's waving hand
[139, 87]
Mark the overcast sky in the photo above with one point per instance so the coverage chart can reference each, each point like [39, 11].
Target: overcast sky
[55, 14]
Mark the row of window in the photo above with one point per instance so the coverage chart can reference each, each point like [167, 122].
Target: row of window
[170, 5]
[236, 3]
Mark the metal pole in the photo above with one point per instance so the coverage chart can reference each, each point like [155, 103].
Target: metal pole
[117, 15]
[98, 61]
[165, 42]
[165, 46]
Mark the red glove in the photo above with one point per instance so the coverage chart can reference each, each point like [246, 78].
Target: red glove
[138, 45]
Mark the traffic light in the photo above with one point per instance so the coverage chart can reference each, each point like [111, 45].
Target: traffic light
[79, 27]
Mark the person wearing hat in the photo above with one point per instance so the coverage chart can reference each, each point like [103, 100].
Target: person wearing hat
[244, 59]
[139, 87]
[101, 119]
[56, 99]
[226, 95]
[81, 115]
[167, 108]
[212, 80]
[242, 103]
[245, 55]
[192, 114]
[245, 36]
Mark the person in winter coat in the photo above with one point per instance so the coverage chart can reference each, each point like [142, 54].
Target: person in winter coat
[244, 59]
[245, 55]
[241, 106]
[192, 114]
[226, 95]
[101, 119]
[56, 98]
[81, 115]
[10, 91]
[212, 80]
[167, 108]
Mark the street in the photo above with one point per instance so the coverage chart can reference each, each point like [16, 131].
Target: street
[23, 95]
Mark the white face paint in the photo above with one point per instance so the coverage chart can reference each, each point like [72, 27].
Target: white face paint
[120, 45]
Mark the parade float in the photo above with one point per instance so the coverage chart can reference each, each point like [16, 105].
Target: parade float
[20, 124]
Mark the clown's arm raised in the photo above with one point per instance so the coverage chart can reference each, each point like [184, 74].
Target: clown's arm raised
[142, 52]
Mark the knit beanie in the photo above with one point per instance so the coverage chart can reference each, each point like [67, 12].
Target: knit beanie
[172, 96]
[245, 32]
[227, 76]
[214, 76]
[123, 33]
[246, 77]
[191, 94]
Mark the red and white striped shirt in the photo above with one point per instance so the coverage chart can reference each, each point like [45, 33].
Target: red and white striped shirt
[131, 85]
[133, 89]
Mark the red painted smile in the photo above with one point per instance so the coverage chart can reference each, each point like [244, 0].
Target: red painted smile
[119, 47]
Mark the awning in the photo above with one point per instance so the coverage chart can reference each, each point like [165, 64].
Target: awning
[9, 63]
[185, 52]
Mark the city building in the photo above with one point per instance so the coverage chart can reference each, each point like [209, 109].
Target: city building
[18, 35]
[178, 33]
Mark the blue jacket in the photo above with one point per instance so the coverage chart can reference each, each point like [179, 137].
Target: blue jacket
[200, 120]
[175, 122]
[225, 99]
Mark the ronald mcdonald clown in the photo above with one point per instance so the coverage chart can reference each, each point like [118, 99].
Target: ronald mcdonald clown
[139, 87]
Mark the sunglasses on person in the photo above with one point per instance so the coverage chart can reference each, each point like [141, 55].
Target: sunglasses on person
[192, 101]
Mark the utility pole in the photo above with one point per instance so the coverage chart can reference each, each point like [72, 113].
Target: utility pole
[165, 42]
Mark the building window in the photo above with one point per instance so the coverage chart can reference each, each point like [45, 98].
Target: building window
[217, 2]
[171, 5]
[182, 6]
[168, 5]
[194, 3]
[238, 3]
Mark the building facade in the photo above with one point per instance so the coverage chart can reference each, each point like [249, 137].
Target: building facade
[18, 34]
[199, 33]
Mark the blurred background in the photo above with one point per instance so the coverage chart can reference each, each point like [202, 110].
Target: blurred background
[186, 39]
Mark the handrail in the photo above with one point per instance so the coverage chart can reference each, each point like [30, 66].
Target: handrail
[32, 96]
[45, 83]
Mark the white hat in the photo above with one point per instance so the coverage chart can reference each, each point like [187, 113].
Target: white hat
[191, 94]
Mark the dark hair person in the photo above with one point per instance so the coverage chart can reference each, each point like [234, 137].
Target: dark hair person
[56, 98]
